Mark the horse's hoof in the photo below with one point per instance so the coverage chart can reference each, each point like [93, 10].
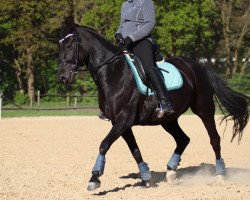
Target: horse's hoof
[220, 179]
[144, 184]
[144, 172]
[93, 185]
[220, 167]
[171, 176]
[146, 176]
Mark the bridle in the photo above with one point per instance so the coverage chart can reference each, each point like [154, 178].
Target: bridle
[76, 65]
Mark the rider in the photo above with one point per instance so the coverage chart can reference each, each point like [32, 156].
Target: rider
[135, 32]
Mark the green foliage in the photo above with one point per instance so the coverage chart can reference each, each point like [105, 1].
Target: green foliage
[185, 27]
[104, 16]
[241, 83]
[89, 85]
[21, 98]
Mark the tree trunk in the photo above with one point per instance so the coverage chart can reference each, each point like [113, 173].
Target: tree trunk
[238, 41]
[243, 67]
[18, 76]
[226, 9]
[198, 40]
[246, 63]
[30, 73]
[235, 66]
[174, 48]
[229, 70]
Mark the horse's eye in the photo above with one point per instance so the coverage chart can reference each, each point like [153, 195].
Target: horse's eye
[68, 46]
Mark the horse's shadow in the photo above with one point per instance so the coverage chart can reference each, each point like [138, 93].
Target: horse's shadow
[203, 171]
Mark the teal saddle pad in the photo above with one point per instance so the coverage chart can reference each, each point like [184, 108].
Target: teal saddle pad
[172, 77]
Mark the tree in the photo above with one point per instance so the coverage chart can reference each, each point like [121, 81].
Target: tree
[104, 16]
[30, 25]
[187, 27]
[235, 16]
[7, 73]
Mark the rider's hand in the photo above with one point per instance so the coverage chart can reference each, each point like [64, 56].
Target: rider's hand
[119, 39]
[128, 41]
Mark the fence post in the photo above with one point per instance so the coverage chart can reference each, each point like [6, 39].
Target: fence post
[38, 100]
[75, 102]
[0, 105]
[67, 100]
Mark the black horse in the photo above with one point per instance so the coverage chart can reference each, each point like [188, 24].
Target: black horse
[125, 106]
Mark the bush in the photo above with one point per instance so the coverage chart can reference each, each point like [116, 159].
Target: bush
[240, 83]
[21, 98]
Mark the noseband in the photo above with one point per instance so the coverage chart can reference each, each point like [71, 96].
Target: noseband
[75, 63]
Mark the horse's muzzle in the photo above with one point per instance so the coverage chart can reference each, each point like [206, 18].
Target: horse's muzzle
[66, 78]
[63, 79]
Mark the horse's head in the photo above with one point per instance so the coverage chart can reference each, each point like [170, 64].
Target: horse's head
[79, 46]
[69, 55]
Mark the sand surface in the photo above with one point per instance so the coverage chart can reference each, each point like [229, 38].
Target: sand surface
[52, 158]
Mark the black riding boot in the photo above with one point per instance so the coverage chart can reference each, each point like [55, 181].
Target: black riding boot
[155, 79]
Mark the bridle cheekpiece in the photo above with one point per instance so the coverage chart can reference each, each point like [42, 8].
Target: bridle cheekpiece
[76, 66]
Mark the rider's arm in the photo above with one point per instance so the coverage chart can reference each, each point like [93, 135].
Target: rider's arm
[121, 19]
[148, 11]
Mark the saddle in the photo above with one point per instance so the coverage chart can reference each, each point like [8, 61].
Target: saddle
[170, 74]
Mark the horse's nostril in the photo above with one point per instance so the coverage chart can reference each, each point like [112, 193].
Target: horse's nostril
[63, 79]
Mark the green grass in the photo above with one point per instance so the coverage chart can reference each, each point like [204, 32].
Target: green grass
[54, 105]
[88, 107]
[36, 113]
[80, 112]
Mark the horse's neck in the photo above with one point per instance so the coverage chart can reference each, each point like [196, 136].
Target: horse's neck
[99, 49]
[111, 76]
[105, 72]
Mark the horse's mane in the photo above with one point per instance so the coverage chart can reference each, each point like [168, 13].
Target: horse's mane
[68, 28]
[103, 40]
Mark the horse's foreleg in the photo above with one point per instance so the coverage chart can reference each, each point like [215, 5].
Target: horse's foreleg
[117, 130]
[182, 140]
[128, 136]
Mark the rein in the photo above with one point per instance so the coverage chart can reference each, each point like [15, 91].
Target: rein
[110, 60]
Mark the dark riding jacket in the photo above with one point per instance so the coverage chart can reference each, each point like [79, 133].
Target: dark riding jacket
[137, 19]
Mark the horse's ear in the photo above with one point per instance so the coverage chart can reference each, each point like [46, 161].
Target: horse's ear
[68, 23]
[68, 26]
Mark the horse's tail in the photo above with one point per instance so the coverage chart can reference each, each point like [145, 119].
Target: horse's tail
[231, 103]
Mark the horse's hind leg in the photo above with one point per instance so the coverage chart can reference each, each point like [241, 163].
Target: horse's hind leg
[128, 136]
[182, 140]
[206, 113]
